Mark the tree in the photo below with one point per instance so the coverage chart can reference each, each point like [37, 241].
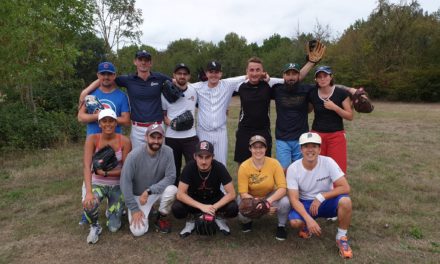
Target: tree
[117, 22]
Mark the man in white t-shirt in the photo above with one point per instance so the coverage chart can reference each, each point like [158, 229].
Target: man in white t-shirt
[182, 142]
[317, 187]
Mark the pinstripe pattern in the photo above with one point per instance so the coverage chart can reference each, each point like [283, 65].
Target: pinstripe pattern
[213, 104]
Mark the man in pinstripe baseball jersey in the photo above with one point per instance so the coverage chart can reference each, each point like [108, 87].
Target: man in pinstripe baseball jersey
[214, 97]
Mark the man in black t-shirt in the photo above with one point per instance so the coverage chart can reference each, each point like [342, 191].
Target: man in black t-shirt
[199, 191]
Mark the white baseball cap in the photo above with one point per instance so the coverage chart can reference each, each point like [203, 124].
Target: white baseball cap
[309, 137]
[107, 112]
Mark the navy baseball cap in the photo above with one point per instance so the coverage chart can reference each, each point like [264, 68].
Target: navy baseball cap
[142, 54]
[214, 66]
[291, 66]
[181, 66]
[205, 147]
[106, 67]
[326, 69]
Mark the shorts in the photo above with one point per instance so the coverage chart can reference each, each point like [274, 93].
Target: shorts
[242, 151]
[328, 209]
[288, 151]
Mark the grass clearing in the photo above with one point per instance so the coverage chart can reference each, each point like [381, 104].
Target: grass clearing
[392, 168]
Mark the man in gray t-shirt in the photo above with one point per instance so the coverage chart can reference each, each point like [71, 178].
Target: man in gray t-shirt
[148, 175]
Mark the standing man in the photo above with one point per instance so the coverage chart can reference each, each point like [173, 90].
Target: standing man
[144, 90]
[199, 191]
[147, 176]
[317, 187]
[182, 140]
[214, 97]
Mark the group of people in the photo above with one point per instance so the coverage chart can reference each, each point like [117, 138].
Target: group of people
[306, 180]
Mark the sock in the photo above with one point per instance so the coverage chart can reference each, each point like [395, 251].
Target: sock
[341, 233]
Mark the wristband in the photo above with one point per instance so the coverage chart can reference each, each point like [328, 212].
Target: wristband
[320, 197]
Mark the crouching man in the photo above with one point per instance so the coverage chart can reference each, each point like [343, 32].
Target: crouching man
[148, 175]
[317, 187]
[199, 191]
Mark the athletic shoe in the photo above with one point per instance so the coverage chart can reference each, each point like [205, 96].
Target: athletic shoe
[333, 219]
[188, 229]
[245, 228]
[83, 220]
[95, 231]
[224, 228]
[163, 225]
[304, 233]
[344, 248]
[281, 233]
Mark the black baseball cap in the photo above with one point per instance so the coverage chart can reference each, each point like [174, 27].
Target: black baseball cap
[204, 147]
[181, 66]
[142, 54]
[214, 66]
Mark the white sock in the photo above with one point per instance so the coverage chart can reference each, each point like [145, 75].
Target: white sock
[341, 233]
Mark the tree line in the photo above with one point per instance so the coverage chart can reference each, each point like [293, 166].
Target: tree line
[51, 49]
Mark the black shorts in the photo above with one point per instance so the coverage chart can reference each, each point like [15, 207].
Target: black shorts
[242, 136]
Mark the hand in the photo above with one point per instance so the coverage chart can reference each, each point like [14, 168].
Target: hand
[328, 104]
[208, 209]
[166, 120]
[137, 219]
[265, 77]
[143, 198]
[313, 227]
[272, 210]
[314, 207]
[89, 201]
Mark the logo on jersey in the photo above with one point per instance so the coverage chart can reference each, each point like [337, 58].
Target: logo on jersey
[154, 84]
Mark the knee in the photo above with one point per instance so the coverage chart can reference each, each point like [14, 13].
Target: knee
[345, 204]
[137, 232]
[114, 223]
[296, 223]
[179, 211]
[231, 209]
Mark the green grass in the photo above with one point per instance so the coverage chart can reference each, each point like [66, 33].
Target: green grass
[392, 169]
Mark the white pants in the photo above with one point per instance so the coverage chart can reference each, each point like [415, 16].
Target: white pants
[219, 139]
[166, 200]
[283, 209]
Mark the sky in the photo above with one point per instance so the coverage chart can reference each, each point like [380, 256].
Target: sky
[255, 20]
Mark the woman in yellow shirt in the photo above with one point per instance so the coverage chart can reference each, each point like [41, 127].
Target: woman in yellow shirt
[263, 177]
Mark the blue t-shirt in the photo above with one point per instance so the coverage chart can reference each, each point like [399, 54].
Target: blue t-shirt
[116, 100]
[144, 96]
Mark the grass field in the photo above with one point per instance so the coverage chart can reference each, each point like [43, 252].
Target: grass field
[393, 170]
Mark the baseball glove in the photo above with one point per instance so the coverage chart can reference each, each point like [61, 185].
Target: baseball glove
[248, 207]
[104, 159]
[201, 75]
[205, 225]
[315, 51]
[92, 104]
[183, 122]
[171, 92]
[361, 102]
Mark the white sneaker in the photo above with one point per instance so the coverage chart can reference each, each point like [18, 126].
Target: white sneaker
[333, 219]
[224, 228]
[188, 229]
[95, 231]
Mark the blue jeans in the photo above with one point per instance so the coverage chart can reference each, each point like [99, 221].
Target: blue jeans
[288, 152]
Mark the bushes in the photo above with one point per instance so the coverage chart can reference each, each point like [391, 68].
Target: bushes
[25, 130]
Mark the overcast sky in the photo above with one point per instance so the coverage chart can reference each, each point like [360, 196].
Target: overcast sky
[256, 20]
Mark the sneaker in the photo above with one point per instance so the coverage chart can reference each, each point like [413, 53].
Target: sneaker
[224, 228]
[281, 233]
[332, 219]
[344, 248]
[83, 220]
[163, 225]
[188, 229]
[247, 227]
[304, 233]
[95, 231]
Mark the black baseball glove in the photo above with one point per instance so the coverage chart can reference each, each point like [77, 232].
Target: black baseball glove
[249, 207]
[104, 159]
[171, 92]
[205, 225]
[361, 102]
[201, 75]
[183, 122]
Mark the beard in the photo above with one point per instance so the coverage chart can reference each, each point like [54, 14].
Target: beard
[154, 147]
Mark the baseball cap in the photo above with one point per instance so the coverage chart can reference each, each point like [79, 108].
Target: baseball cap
[214, 66]
[181, 66]
[106, 112]
[142, 54]
[309, 137]
[155, 128]
[257, 138]
[326, 69]
[291, 66]
[106, 67]
[204, 147]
